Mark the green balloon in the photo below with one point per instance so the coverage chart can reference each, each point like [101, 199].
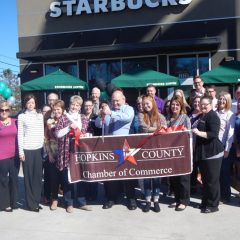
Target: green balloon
[2, 87]
[7, 93]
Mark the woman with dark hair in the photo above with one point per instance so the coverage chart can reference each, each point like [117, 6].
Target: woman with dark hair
[149, 121]
[181, 184]
[194, 116]
[9, 164]
[209, 152]
[166, 108]
[30, 144]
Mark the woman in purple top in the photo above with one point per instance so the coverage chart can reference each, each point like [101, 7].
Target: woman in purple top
[9, 166]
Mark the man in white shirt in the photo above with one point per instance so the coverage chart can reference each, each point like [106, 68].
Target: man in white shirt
[95, 96]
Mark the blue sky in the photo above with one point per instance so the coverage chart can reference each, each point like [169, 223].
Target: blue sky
[9, 36]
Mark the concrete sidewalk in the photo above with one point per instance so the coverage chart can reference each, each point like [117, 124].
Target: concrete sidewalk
[122, 224]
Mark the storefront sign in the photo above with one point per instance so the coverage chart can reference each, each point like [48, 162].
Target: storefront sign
[74, 7]
[131, 157]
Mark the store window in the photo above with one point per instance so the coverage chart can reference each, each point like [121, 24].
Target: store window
[103, 70]
[187, 66]
[203, 63]
[131, 64]
[70, 68]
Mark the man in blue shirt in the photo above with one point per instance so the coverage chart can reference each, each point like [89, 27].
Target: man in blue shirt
[117, 121]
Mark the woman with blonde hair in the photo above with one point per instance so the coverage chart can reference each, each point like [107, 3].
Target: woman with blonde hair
[226, 135]
[9, 165]
[149, 121]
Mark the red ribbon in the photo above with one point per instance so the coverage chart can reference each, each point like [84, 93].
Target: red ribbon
[76, 133]
[161, 130]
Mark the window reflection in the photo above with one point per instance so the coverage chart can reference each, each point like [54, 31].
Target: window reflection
[187, 66]
[132, 64]
[70, 68]
[103, 70]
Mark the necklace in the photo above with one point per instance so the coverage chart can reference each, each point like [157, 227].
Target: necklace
[5, 123]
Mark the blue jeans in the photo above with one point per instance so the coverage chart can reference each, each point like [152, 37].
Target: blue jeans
[68, 189]
[152, 185]
[81, 193]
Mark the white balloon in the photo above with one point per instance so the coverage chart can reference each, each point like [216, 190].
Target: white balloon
[11, 100]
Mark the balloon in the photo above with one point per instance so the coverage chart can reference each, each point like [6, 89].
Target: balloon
[101, 84]
[7, 93]
[11, 100]
[104, 96]
[2, 87]
[110, 88]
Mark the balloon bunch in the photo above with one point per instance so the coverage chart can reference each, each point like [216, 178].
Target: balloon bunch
[6, 92]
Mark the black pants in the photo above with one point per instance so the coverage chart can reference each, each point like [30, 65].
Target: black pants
[181, 187]
[210, 171]
[114, 188]
[46, 177]
[9, 169]
[32, 169]
[56, 179]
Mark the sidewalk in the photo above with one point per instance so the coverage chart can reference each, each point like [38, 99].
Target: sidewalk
[122, 224]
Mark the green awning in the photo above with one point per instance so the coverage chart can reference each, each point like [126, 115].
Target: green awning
[229, 72]
[141, 78]
[58, 80]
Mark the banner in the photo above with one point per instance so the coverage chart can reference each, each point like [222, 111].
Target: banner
[131, 157]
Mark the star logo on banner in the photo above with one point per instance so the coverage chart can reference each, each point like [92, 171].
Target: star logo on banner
[126, 153]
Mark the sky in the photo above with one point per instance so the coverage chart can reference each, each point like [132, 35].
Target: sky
[9, 36]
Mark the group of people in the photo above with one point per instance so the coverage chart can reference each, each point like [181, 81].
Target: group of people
[43, 140]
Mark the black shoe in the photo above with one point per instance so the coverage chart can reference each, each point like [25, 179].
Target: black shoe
[40, 207]
[34, 210]
[108, 204]
[147, 207]
[200, 206]
[210, 210]
[156, 207]
[132, 205]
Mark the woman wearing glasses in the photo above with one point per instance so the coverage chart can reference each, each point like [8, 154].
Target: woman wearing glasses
[209, 153]
[9, 166]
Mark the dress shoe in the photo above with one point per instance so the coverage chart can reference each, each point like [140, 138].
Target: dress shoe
[108, 204]
[210, 210]
[147, 207]
[180, 207]
[132, 205]
[86, 208]
[200, 206]
[54, 205]
[69, 209]
[156, 207]
[34, 209]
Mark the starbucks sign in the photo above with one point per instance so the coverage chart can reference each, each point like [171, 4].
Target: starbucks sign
[74, 7]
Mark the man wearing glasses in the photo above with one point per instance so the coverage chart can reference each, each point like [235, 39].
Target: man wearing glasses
[211, 92]
[198, 90]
